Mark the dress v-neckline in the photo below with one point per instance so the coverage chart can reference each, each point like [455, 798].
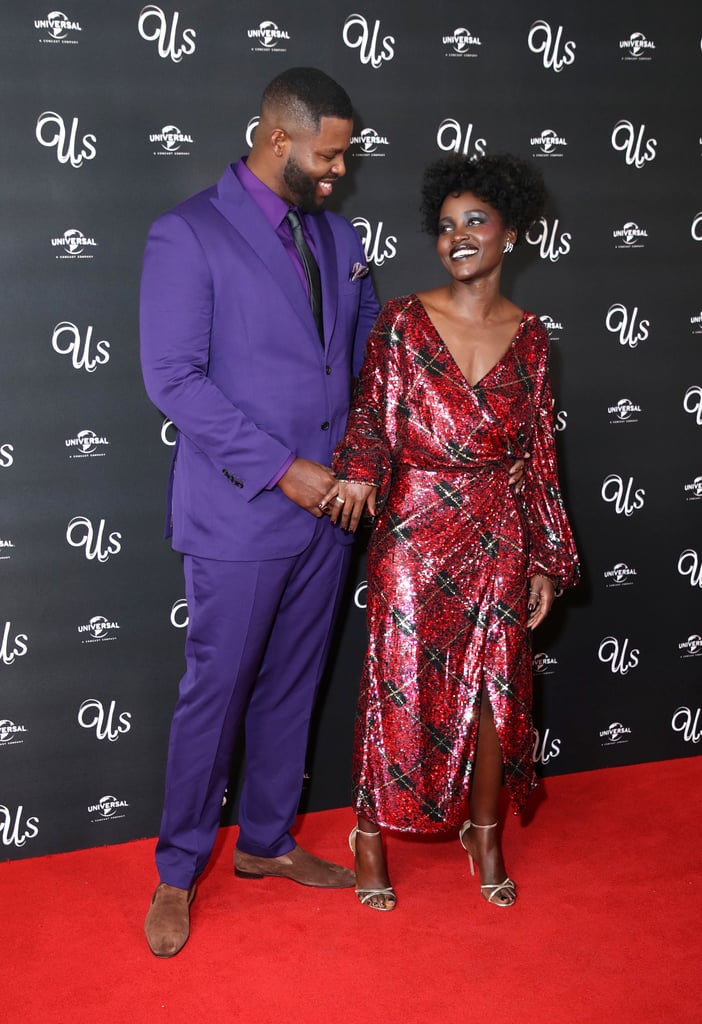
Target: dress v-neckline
[448, 352]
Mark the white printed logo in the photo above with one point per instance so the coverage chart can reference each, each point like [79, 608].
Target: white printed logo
[545, 749]
[451, 137]
[692, 402]
[357, 35]
[693, 490]
[543, 664]
[696, 323]
[620, 575]
[58, 26]
[629, 236]
[620, 321]
[368, 141]
[171, 139]
[250, 129]
[269, 37]
[11, 734]
[560, 420]
[548, 143]
[551, 245]
[81, 533]
[696, 227]
[615, 733]
[554, 327]
[692, 647]
[624, 411]
[637, 47]
[625, 498]
[169, 433]
[637, 149]
[97, 630]
[107, 807]
[463, 43]
[51, 131]
[377, 248]
[153, 27]
[689, 723]
[15, 830]
[6, 546]
[12, 648]
[616, 654]
[7, 457]
[93, 715]
[73, 242]
[555, 54]
[689, 565]
[67, 341]
[86, 444]
[179, 614]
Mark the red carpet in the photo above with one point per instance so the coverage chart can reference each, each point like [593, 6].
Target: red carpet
[606, 927]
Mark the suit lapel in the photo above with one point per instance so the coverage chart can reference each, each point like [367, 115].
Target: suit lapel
[250, 223]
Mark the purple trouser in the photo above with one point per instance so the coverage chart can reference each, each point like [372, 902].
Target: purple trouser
[256, 645]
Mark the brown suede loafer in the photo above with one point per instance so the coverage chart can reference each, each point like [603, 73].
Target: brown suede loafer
[167, 924]
[298, 865]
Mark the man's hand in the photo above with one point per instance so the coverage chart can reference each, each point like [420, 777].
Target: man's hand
[516, 473]
[306, 482]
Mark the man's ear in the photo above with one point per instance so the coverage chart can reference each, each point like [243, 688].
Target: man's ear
[280, 141]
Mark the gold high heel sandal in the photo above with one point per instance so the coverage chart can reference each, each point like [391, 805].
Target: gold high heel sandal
[364, 895]
[504, 894]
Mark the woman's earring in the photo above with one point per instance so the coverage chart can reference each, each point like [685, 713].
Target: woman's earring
[508, 247]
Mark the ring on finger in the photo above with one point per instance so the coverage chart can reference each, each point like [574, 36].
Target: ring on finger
[342, 501]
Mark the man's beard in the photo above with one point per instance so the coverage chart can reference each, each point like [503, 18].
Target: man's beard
[302, 188]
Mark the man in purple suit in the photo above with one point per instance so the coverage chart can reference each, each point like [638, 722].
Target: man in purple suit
[252, 324]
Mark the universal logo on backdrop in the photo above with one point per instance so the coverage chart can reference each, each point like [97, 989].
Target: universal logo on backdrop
[86, 354]
[614, 734]
[463, 43]
[696, 323]
[86, 445]
[59, 26]
[368, 143]
[172, 41]
[73, 242]
[620, 575]
[629, 236]
[10, 734]
[543, 664]
[107, 807]
[269, 38]
[693, 490]
[548, 143]
[171, 139]
[553, 326]
[692, 647]
[98, 630]
[637, 47]
[624, 411]
[373, 48]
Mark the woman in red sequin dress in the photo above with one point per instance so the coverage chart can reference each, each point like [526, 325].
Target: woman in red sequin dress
[460, 567]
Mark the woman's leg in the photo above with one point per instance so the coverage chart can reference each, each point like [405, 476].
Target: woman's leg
[371, 870]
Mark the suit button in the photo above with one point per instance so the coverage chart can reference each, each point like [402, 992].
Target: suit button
[327, 370]
[325, 425]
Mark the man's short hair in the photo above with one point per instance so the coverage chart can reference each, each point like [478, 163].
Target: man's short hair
[306, 95]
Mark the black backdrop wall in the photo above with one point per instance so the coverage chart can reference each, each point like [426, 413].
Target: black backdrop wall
[114, 111]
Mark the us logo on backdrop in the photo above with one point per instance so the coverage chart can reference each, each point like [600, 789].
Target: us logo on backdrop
[172, 42]
[53, 132]
[16, 826]
[454, 137]
[550, 44]
[627, 324]
[108, 722]
[12, 645]
[377, 246]
[373, 48]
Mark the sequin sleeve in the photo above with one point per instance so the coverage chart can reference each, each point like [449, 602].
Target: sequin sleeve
[552, 549]
[365, 452]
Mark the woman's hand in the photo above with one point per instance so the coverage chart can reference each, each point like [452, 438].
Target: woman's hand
[516, 473]
[541, 595]
[345, 501]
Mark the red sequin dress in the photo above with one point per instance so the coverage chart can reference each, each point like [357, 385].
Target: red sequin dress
[449, 562]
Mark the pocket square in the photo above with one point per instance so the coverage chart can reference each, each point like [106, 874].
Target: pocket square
[358, 270]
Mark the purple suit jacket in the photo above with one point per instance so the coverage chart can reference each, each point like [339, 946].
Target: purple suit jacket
[230, 353]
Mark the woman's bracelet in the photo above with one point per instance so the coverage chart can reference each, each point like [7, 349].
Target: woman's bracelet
[361, 483]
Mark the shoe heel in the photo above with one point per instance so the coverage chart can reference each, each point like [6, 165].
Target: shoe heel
[247, 874]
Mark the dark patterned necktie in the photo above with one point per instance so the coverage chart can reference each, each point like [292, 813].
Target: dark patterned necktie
[309, 263]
